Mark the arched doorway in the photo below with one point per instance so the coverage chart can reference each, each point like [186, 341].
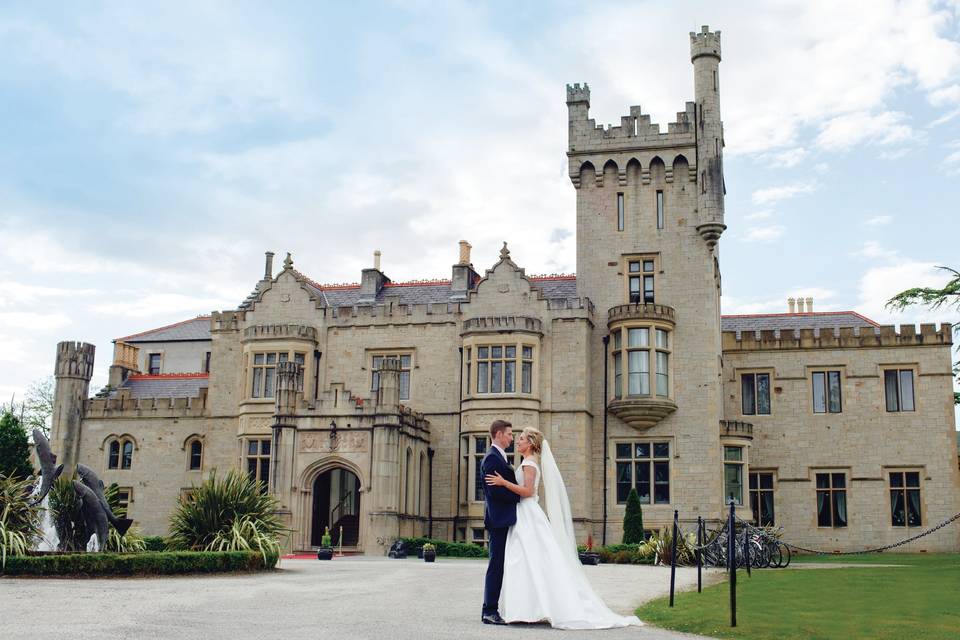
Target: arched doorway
[336, 504]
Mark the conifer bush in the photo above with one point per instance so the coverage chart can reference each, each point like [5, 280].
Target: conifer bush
[633, 519]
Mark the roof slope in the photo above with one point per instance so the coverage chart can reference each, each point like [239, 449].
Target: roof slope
[793, 321]
[173, 385]
[193, 329]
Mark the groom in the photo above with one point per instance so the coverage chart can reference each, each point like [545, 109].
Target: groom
[500, 513]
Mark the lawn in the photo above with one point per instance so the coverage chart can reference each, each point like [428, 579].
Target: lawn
[920, 600]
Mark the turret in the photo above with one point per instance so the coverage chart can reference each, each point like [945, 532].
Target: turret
[705, 55]
[289, 381]
[73, 370]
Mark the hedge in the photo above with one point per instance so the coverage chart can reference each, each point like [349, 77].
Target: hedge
[147, 563]
[154, 543]
[444, 548]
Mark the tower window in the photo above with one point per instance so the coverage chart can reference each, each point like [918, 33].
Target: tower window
[898, 387]
[620, 211]
[659, 209]
[826, 392]
[755, 394]
[640, 274]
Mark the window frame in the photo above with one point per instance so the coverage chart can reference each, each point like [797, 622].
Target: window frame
[830, 490]
[260, 373]
[525, 374]
[261, 459]
[739, 465]
[904, 489]
[124, 460]
[741, 374]
[651, 461]
[150, 357]
[405, 372]
[758, 491]
[643, 275]
[653, 349]
[472, 459]
[196, 440]
[826, 373]
[900, 369]
[660, 206]
[123, 506]
[621, 211]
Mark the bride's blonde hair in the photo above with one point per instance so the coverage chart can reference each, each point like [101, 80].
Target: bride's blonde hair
[535, 438]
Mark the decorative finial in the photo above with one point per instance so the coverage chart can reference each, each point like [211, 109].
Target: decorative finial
[504, 253]
[288, 262]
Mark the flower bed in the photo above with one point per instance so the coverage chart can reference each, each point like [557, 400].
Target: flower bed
[148, 563]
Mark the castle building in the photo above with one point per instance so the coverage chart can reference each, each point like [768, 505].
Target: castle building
[365, 408]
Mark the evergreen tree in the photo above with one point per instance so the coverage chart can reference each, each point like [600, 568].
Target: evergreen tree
[633, 520]
[14, 447]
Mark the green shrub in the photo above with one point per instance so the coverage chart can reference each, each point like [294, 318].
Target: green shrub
[446, 549]
[154, 543]
[325, 539]
[19, 521]
[633, 519]
[14, 447]
[663, 547]
[149, 563]
[131, 542]
[229, 514]
[626, 554]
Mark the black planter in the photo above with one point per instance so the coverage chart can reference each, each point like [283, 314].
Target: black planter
[588, 557]
[325, 553]
[429, 556]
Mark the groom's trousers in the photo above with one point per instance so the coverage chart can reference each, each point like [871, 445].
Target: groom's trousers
[496, 546]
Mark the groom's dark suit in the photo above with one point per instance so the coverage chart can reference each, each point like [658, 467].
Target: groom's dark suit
[500, 513]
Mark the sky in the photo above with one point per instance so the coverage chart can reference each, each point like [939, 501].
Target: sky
[150, 153]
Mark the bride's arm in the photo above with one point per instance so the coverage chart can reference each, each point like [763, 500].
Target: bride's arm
[525, 490]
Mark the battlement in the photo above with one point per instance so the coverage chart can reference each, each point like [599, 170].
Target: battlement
[500, 324]
[634, 132]
[705, 43]
[123, 405]
[75, 360]
[227, 320]
[576, 93]
[394, 312]
[841, 338]
[280, 331]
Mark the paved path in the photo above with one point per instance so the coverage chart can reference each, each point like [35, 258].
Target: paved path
[307, 599]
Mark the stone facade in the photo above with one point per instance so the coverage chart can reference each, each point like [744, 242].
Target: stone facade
[367, 406]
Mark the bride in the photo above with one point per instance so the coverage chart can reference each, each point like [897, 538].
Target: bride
[543, 579]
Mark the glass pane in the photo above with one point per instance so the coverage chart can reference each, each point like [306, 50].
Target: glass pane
[840, 508]
[747, 394]
[823, 481]
[766, 513]
[496, 376]
[663, 379]
[616, 340]
[482, 352]
[896, 479]
[634, 267]
[405, 385]
[623, 450]
[528, 352]
[733, 453]
[377, 362]
[819, 395]
[623, 472]
[634, 288]
[824, 518]
[662, 339]
[299, 358]
[268, 377]
[114, 455]
[648, 288]
[510, 352]
[906, 390]
[763, 393]
[375, 381]
[283, 357]
[264, 447]
[833, 379]
[271, 358]
[257, 383]
[623, 491]
[890, 390]
[753, 482]
[913, 479]
[482, 378]
[766, 481]
[265, 471]
[258, 358]
[620, 211]
[733, 482]
[496, 352]
[661, 472]
[404, 362]
[661, 450]
[527, 377]
[638, 338]
[252, 468]
[251, 447]
[661, 486]
[480, 445]
[648, 265]
[641, 450]
[509, 375]
[642, 475]
[913, 508]
[898, 513]
[839, 480]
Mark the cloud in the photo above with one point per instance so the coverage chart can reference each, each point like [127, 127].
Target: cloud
[851, 129]
[771, 195]
[873, 250]
[763, 214]
[763, 234]
[951, 163]
[148, 304]
[879, 284]
[786, 159]
[877, 221]
[822, 300]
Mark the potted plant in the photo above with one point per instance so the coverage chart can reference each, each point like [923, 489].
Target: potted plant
[429, 552]
[325, 552]
[588, 556]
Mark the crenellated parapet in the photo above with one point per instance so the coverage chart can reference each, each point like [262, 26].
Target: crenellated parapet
[75, 360]
[841, 338]
[704, 43]
[123, 405]
[391, 313]
[280, 332]
[226, 321]
[500, 324]
[635, 131]
[640, 311]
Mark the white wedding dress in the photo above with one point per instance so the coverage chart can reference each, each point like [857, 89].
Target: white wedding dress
[543, 580]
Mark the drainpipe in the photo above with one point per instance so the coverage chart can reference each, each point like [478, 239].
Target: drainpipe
[316, 373]
[430, 453]
[606, 444]
[456, 502]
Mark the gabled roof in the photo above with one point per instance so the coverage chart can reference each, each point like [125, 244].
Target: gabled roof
[171, 385]
[187, 330]
[792, 321]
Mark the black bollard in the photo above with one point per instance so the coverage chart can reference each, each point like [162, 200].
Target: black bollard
[699, 556]
[732, 565]
[673, 557]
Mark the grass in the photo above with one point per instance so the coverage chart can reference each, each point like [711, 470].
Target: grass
[918, 600]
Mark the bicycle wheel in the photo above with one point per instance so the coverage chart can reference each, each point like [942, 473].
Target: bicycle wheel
[786, 562]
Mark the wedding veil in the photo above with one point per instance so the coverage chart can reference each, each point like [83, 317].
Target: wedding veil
[557, 503]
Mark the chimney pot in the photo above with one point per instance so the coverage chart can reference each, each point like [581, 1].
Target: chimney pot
[809, 305]
[268, 267]
[376, 259]
[792, 305]
[465, 252]
[799, 305]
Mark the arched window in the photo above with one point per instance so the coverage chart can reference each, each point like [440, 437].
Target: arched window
[120, 452]
[196, 455]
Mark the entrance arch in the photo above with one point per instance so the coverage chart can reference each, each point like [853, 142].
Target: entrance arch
[336, 504]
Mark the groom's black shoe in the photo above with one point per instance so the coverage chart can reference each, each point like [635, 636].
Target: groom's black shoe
[493, 618]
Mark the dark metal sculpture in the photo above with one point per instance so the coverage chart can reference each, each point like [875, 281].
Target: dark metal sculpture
[95, 485]
[94, 515]
[49, 469]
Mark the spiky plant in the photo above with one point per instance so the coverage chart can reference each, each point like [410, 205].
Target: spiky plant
[131, 542]
[68, 519]
[19, 521]
[227, 514]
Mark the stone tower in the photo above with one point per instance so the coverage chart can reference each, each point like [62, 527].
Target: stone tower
[649, 217]
[73, 370]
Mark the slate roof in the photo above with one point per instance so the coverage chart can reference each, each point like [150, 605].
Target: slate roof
[789, 321]
[174, 385]
[193, 329]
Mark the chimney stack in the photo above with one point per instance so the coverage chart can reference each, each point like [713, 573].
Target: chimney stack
[372, 281]
[799, 305]
[809, 305]
[792, 305]
[464, 277]
[268, 267]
